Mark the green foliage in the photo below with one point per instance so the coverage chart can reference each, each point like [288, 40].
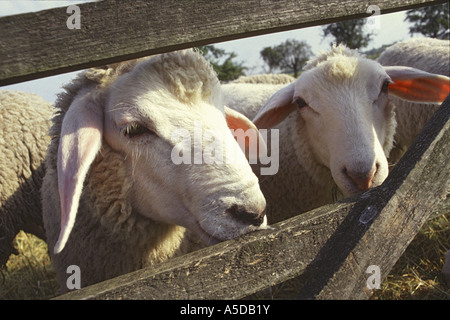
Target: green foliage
[430, 21]
[223, 63]
[288, 57]
[272, 57]
[349, 33]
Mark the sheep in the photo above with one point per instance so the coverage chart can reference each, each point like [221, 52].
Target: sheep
[253, 91]
[270, 78]
[248, 98]
[24, 122]
[427, 54]
[114, 200]
[335, 128]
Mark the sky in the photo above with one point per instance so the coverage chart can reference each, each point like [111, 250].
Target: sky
[387, 29]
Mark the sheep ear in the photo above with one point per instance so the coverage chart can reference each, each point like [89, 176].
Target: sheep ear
[418, 86]
[235, 121]
[276, 109]
[80, 140]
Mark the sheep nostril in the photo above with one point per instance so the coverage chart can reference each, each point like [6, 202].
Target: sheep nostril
[240, 213]
[362, 180]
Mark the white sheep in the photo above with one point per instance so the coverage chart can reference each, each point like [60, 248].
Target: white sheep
[270, 78]
[335, 127]
[427, 54]
[253, 91]
[113, 198]
[24, 122]
[248, 98]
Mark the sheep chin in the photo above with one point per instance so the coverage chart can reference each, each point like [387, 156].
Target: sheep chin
[206, 237]
[210, 239]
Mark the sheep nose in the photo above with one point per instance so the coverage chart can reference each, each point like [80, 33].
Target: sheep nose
[362, 180]
[243, 215]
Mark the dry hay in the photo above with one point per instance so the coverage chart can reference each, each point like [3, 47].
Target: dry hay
[28, 275]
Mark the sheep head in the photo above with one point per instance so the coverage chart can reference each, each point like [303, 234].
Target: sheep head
[148, 115]
[340, 103]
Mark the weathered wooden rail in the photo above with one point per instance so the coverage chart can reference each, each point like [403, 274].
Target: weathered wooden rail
[39, 44]
[327, 250]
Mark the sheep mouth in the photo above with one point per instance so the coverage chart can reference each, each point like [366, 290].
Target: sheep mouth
[207, 237]
[212, 239]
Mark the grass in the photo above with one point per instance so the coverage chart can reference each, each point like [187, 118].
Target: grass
[416, 275]
[28, 275]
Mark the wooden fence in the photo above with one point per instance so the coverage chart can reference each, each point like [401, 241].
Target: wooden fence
[327, 250]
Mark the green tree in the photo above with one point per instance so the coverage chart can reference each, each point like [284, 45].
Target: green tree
[350, 33]
[272, 57]
[223, 63]
[430, 21]
[289, 57]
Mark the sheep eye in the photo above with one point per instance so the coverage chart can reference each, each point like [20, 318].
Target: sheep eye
[300, 102]
[385, 86]
[135, 130]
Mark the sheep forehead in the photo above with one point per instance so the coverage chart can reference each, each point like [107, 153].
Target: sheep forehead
[335, 51]
[341, 64]
[341, 79]
[159, 109]
[185, 74]
[344, 68]
[163, 86]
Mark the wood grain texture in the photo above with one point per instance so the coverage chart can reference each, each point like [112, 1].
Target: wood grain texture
[39, 44]
[328, 249]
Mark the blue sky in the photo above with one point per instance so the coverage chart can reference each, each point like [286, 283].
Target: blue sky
[388, 29]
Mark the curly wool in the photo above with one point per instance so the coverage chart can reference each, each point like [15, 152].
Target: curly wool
[24, 123]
